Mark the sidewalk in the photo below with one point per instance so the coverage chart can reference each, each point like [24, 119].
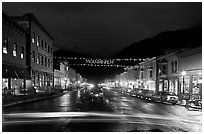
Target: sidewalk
[10, 100]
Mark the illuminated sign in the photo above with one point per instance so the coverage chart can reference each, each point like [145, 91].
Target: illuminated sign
[99, 61]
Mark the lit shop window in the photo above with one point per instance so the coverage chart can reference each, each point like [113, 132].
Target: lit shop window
[15, 49]
[5, 46]
[22, 52]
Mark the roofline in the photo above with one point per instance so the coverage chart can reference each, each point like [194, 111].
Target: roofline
[30, 16]
[15, 23]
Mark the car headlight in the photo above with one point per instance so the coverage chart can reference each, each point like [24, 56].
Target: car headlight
[97, 95]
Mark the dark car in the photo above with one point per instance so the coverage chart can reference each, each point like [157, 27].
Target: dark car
[147, 94]
[164, 96]
[133, 93]
[96, 93]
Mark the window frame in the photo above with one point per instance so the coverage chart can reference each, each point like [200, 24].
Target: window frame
[14, 49]
[5, 45]
[22, 54]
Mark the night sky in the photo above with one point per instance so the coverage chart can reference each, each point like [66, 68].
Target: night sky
[102, 29]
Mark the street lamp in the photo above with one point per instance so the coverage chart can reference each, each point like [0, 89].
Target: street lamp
[183, 74]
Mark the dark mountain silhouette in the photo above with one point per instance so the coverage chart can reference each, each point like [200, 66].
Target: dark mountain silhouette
[188, 38]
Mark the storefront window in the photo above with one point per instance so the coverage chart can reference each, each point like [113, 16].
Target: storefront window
[176, 87]
[152, 85]
[196, 84]
[173, 86]
[4, 85]
[165, 85]
[36, 79]
[186, 82]
[160, 86]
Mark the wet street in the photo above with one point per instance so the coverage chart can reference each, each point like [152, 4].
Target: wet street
[143, 115]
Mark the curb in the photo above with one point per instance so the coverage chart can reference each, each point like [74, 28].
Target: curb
[31, 100]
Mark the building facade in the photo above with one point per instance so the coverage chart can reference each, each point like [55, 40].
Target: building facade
[177, 71]
[61, 71]
[190, 73]
[167, 72]
[14, 68]
[147, 74]
[40, 48]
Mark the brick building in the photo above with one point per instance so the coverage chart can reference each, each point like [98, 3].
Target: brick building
[40, 48]
[14, 67]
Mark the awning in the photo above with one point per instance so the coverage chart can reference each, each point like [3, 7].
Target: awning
[26, 74]
[14, 72]
[4, 72]
[19, 73]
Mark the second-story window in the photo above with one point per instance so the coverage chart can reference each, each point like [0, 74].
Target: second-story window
[22, 52]
[48, 49]
[174, 66]
[48, 62]
[14, 49]
[33, 38]
[38, 58]
[141, 74]
[42, 43]
[163, 70]
[42, 60]
[45, 61]
[45, 45]
[33, 56]
[150, 73]
[38, 40]
[5, 46]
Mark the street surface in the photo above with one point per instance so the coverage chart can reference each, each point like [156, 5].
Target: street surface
[145, 115]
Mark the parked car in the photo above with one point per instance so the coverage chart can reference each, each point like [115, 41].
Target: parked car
[194, 104]
[164, 96]
[147, 94]
[136, 93]
[133, 92]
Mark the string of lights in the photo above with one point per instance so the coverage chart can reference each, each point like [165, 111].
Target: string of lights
[83, 58]
[99, 62]
[100, 65]
[112, 65]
